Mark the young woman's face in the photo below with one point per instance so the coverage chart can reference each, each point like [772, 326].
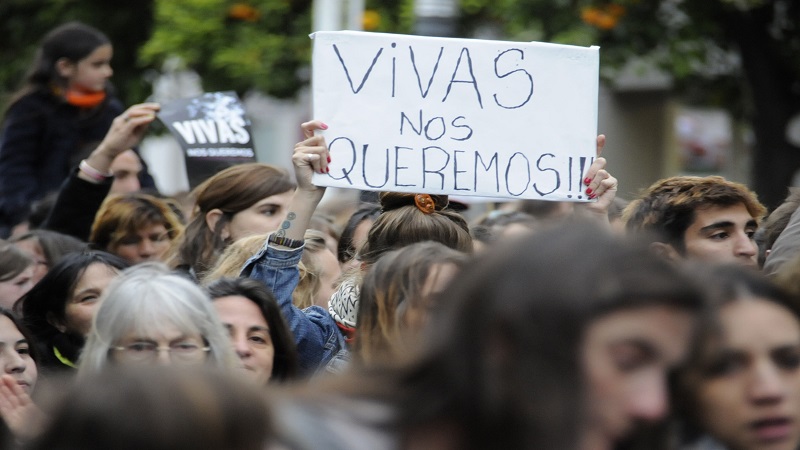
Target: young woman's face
[150, 243]
[748, 396]
[627, 355]
[15, 355]
[261, 218]
[82, 303]
[14, 288]
[250, 336]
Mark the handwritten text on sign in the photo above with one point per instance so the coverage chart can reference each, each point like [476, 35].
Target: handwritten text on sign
[456, 116]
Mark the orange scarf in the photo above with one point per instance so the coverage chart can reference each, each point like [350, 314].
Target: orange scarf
[85, 99]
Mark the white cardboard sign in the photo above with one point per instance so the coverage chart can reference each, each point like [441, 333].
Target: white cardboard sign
[456, 116]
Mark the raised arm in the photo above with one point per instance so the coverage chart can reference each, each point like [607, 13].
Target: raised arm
[84, 191]
[317, 337]
[310, 155]
[126, 131]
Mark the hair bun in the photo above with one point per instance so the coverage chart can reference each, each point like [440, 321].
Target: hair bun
[395, 200]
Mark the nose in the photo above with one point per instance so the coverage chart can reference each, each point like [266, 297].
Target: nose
[163, 357]
[745, 246]
[241, 347]
[766, 385]
[13, 362]
[146, 248]
[649, 403]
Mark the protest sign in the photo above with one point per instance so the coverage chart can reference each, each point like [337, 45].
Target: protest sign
[213, 131]
[456, 116]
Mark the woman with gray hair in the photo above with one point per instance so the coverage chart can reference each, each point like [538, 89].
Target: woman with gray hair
[152, 316]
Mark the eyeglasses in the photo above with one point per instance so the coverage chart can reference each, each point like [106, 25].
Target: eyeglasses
[148, 351]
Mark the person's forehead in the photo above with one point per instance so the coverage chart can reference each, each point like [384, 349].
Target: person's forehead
[735, 213]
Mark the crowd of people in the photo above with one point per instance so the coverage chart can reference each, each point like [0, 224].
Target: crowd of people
[256, 319]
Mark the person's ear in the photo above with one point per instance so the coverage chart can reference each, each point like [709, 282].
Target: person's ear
[56, 322]
[65, 67]
[212, 218]
[665, 251]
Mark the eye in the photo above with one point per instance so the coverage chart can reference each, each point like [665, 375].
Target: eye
[130, 240]
[270, 210]
[629, 358]
[258, 339]
[24, 350]
[140, 347]
[787, 358]
[185, 346]
[722, 235]
[159, 237]
[750, 233]
[726, 364]
[88, 298]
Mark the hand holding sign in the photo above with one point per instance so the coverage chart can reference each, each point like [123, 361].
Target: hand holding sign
[600, 185]
[128, 129]
[310, 156]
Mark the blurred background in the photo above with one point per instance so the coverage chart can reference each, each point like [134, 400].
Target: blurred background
[688, 86]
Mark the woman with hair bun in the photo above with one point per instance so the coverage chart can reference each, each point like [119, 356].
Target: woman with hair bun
[405, 219]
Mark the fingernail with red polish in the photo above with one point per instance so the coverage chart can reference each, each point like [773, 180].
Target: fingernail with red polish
[587, 180]
[589, 191]
[592, 196]
[323, 126]
[327, 170]
[329, 158]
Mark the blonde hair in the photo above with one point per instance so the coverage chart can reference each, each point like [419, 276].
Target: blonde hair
[232, 259]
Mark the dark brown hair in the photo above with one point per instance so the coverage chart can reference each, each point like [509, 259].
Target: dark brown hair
[667, 208]
[231, 191]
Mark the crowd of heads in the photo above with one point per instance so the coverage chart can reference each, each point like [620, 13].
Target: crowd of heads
[255, 318]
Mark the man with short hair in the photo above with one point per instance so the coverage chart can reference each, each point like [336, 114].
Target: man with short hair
[700, 218]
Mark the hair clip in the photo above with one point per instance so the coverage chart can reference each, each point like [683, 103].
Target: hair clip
[425, 203]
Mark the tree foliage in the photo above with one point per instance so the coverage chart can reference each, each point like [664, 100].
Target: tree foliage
[694, 42]
[262, 44]
[257, 44]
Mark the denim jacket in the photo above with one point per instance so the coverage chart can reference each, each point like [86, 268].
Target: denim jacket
[319, 341]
